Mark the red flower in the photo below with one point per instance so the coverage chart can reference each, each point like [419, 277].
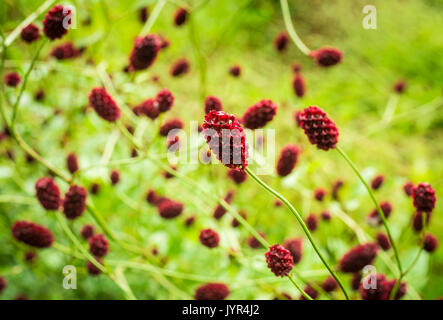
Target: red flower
[220, 211]
[98, 245]
[329, 284]
[383, 241]
[212, 291]
[115, 177]
[335, 188]
[355, 259]
[235, 71]
[226, 139]
[407, 188]
[164, 100]
[72, 162]
[378, 291]
[209, 238]
[326, 215]
[147, 108]
[319, 194]
[253, 242]
[238, 176]
[312, 222]
[12, 79]
[53, 24]
[423, 197]
[235, 223]
[377, 182]
[92, 269]
[87, 231]
[143, 14]
[417, 221]
[402, 289]
[144, 52]
[169, 209]
[374, 217]
[3, 284]
[399, 86]
[74, 203]
[287, 160]
[104, 105]
[213, 103]
[295, 247]
[310, 291]
[431, 243]
[299, 85]
[65, 51]
[32, 234]
[169, 125]
[180, 67]
[48, 193]
[30, 33]
[279, 260]
[258, 115]
[355, 282]
[30, 256]
[189, 221]
[320, 130]
[180, 17]
[281, 41]
[326, 57]
[95, 188]
[296, 67]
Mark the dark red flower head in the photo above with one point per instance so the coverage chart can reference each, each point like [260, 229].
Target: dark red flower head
[209, 238]
[98, 245]
[164, 100]
[169, 125]
[180, 17]
[296, 67]
[374, 217]
[12, 79]
[65, 51]
[180, 67]
[212, 291]
[400, 86]
[430, 243]
[319, 194]
[144, 52]
[72, 162]
[335, 188]
[30, 256]
[312, 222]
[48, 193]
[115, 177]
[281, 41]
[407, 188]
[189, 221]
[30, 33]
[417, 220]
[329, 284]
[253, 242]
[143, 14]
[147, 108]
[295, 247]
[213, 103]
[383, 241]
[235, 71]
[226, 139]
[87, 231]
[355, 282]
[258, 115]
[423, 197]
[402, 289]
[169, 209]
[326, 215]
[355, 259]
[92, 269]
[238, 176]
[287, 160]
[279, 260]
[220, 211]
[95, 188]
[3, 284]
[377, 182]
[55, 22]
[235, 223]
[104, 105]
[375, 291]
[320, 130]
[310, 291]
[299, 85]
[326, 57]
[74, 203]
[32, 234]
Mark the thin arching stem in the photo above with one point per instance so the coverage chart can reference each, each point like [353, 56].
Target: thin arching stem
[377, 205]
[290, 28]
[153, 17]
[302, 224]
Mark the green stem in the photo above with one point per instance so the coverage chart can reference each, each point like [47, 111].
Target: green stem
[302, 224]
[153, 17]
[290, 27]
[291, 278]
[377, 205]
[25, 80]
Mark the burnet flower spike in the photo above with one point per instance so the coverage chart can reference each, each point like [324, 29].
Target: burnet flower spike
[226, 139]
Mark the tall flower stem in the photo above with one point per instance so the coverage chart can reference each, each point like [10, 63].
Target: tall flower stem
[153, 17]
[377, 205]
[290, 28]
[302, 224]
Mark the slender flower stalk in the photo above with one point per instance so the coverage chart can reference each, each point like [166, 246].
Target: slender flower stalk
[290, 28]
[302, 224]
[152, 17]
[377, 205]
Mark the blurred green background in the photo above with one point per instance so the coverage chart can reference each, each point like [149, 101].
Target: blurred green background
[407, 44]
